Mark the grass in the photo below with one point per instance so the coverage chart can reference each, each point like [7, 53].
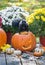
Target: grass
[30, 5]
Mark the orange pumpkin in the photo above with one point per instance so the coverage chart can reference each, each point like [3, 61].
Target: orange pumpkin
[38, 54]
[3, 37]
[24, 41]
[43, 47]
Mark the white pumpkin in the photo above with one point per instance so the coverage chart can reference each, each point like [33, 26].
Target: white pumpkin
[10, 51]
[17, 52]
[39, 50]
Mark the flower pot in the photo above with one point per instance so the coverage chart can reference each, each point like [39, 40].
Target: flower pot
[42, 40]
[0, 22]
[9, 36]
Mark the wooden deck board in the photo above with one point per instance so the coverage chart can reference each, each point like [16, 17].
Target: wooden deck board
[2, 59]
[11, 60]
[28, 62]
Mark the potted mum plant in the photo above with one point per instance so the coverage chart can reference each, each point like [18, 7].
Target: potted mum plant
[7, 26]
[8, 15]
[36, 23]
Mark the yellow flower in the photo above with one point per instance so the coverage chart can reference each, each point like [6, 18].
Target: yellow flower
[37, 17]
[43, 11]
[3, 49]
[30, 19]
[8, 46]
[43, 18]
[38, 11]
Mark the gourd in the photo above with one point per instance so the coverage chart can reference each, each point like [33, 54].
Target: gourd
[38, 52]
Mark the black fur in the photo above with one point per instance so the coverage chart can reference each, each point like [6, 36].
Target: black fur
[23, 26]
[15, 22]
[20, 24]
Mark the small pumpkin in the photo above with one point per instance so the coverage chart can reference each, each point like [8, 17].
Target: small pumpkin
[24, 42]
[17, 52]
[38, 52]
[10, 51]
[3, 37]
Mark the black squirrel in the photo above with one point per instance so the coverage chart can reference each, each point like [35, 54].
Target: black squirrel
[21, 24]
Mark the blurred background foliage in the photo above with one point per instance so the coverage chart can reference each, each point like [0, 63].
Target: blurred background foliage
[28, 5]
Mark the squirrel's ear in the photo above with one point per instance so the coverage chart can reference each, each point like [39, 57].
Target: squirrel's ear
[22, 22]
